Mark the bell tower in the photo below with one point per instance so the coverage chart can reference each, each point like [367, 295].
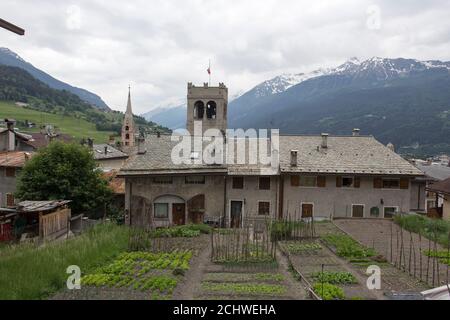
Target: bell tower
[128, 126]
[208, 105]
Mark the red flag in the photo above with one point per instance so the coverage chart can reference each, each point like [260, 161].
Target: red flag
[209, 70]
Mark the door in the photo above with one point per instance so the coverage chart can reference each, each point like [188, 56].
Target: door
[357, 211]
[236, 214]
[178, 214]
[307, 210]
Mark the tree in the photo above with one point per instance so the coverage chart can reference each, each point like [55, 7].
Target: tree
[65, 171]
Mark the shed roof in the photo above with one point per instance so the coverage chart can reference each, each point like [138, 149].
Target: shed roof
[440, 187]
[39, 206]
[15, 159]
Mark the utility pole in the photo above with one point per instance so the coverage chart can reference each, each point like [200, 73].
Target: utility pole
[11, 27]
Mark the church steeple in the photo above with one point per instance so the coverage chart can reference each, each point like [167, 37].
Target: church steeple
[129, 101]
[128, 127]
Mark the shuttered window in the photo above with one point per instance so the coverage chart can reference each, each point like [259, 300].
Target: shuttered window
[338, 182]
[404, 183]
[9, 200]
[321, 181]
[357, 182]
[10, 172]
[295, 181]
[377, 183]
[238, 182]
[264, 183]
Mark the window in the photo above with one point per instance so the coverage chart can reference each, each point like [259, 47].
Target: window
[199, 110]
[374, 212]
[308, 181]
[127, 136]
[162, 180]
[358, 211]
[194, 179]
[295, 181]
[238, 182]
[161, 210]
[391, 184]
[431, 204]
[10, 172]
[347, 182]
[211, 110]
[127, 128]
[389, 212]
[263, 208]
[264, 183]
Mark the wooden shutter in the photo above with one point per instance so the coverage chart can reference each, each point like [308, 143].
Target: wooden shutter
[357, 182]
[404, 183]
[9, 200]
[377, 183]
[295, 181]
[338, 182]
[321, 181]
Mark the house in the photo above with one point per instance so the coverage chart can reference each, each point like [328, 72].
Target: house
[11, 140]
[442, 190]
[317, 176]
[434, 172]
[107, 157]
[10, 165]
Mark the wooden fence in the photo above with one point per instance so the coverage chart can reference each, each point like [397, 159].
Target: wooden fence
[54, 224]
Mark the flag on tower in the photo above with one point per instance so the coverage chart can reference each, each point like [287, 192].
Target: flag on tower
[209, 70]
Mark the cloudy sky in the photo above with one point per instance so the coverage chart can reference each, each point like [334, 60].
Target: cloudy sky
[159, 45]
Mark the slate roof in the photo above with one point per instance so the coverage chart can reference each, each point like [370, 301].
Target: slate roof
[112, 153]
[14, 159]
[39, 206]
[441, 187]
[435, 171]
[344, 155]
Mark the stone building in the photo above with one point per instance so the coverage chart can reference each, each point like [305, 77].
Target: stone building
[315, 176]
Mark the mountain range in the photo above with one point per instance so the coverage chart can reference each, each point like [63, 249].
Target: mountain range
[10, 58]
[403, 101]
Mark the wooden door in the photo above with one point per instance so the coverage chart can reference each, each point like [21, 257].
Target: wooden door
[178, 214]
[236, 214]
[357, 211]
[307, 210]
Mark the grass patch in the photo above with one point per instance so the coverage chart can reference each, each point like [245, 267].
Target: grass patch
[433, 229]
[78, 128]
[30, 272]
[244, 288]
[328, 291]
[334, 277]
[347, 247]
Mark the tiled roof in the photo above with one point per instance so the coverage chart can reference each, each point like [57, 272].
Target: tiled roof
[441, 187]
[14, 158]
[344, 155]
[38, 206]
[435, 171]
[111, 153]
[40, 140]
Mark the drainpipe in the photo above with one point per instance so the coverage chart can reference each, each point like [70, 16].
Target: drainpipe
[281, 197]
[224, 200]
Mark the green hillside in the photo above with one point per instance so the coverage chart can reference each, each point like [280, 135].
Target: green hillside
[78, 128]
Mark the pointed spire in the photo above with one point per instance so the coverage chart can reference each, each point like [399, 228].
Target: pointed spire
[129, 101]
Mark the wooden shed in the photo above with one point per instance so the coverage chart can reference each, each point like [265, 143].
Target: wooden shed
[46, 219]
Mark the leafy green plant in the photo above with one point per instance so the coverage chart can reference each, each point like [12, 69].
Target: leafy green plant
[347, 247]
[185, 231]
[334, 277]
[328, 291]
[433, 229]
[443, 256]
[299, 248]
[244, 288]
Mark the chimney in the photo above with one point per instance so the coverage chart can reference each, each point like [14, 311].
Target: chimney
[141, 145]
[90, 143]
[324, 140]
[356, 132]
[10, 123]
[294, 158]
[111, 140]
[106, 150]
[391, 147]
